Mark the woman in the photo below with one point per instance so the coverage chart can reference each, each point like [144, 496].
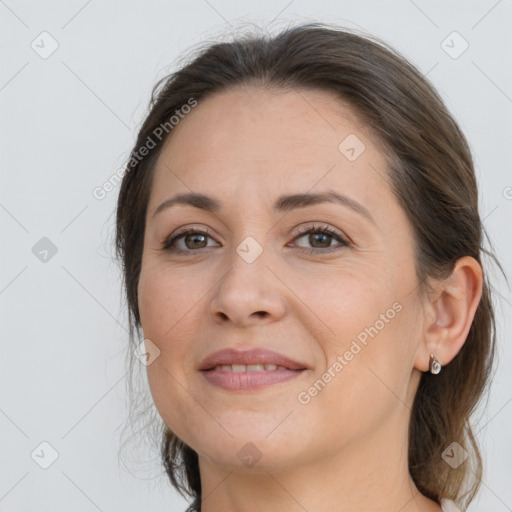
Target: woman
[301, 246]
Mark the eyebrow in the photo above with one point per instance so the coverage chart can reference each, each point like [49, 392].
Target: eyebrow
[284, 203]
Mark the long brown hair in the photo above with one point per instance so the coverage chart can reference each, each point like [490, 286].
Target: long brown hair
[431, 172]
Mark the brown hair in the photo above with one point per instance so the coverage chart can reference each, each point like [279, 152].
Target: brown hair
[431, 173]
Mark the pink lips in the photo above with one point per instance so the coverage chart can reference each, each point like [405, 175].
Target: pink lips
[254, 356]
[249, 380]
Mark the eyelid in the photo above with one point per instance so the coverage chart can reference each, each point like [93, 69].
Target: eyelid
[185, 231]
[343, 240]
[300, 230]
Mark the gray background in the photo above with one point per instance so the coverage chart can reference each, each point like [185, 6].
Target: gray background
[68, 123]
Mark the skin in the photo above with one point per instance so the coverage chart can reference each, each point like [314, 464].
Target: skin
[345, 450]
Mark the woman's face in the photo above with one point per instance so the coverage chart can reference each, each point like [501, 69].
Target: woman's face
[344, 303]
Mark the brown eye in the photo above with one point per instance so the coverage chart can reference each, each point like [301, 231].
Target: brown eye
[190, 239]
[320, 239]
[197, 241]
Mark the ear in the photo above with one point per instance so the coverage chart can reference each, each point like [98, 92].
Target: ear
[449, 313]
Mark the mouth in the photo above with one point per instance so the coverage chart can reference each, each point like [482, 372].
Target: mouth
[238, 368]
[249, 360]
[234, 370]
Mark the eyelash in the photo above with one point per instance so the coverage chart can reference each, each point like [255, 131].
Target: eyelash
[324, 230]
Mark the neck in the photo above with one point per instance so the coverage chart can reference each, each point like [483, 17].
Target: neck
[368, 474]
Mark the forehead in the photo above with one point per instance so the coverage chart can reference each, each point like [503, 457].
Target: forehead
[259, 142]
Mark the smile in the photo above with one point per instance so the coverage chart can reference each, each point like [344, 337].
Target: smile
[240, 377]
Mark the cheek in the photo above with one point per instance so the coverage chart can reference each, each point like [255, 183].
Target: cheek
[366, 387]
[350, 302]
[333, 308]
[373, 329]
[165, 298]
[168, 304]
[377, 356]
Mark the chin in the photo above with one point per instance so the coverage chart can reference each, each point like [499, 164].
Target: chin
[242, 455]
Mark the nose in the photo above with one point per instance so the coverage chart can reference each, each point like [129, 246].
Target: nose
[249, 293]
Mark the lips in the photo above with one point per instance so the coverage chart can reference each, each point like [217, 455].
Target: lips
[237, 368]
[249, 357]
[250, 371]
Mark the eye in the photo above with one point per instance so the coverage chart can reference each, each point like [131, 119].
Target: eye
[321, 237]
[192, 239]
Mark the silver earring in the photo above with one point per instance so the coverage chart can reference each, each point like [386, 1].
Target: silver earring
[434, 365]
